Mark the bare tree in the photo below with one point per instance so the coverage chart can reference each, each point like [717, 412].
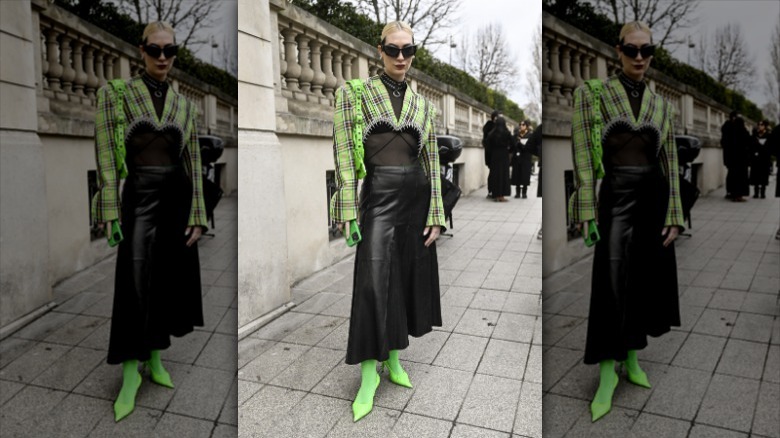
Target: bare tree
[726, 57]
[772, 77]
[489, 59]
[188, 17]
[427, 17]
[533, 77]
[666, 17]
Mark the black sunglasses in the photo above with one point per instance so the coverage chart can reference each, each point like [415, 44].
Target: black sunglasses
[631, 50]
[393, 51]
[154, 50]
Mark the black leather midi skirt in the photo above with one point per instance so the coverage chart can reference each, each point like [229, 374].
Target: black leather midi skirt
[157, 291]
[634, 283]
[396, 278]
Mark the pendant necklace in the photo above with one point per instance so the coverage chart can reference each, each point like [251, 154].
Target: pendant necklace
[396, 87]
[633, 87]
[156, 87]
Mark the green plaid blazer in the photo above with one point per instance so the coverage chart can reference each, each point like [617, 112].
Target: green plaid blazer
[417, 114]
[178, 113]
[655, 113]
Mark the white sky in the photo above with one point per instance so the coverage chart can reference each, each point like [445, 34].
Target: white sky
[225, 33]
[757, 19]
[519, 19]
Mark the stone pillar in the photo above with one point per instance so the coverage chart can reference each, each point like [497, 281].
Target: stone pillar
[24, 227]
[686, 102]
[210, 103]
[263, 285]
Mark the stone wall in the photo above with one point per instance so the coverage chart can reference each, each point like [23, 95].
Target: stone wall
[53, 64]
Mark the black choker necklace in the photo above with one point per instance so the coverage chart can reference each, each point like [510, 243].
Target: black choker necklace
[156, 87]
[395, 86]
[634, 88]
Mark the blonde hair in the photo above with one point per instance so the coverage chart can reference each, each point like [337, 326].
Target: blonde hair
[395, 26]
[157, 26]
[634, 26]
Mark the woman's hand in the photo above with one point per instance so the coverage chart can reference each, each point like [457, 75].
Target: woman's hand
[106, 225]
[583, 226]
[194, 233]
[432, 233]
[671, 233]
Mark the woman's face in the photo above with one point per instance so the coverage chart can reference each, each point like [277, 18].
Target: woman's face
[397, 67]
[158, 67]
[636, 67]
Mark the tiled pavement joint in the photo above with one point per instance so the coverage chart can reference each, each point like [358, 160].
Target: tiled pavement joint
[716, 375]
[54, 380]
[470, 376]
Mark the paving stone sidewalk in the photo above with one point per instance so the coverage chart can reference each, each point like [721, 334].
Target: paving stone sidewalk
[718, 375]
[477, 376]
[54, 381]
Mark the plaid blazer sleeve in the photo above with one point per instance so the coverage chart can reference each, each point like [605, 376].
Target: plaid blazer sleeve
[674, 212]
[344, 203]
[431, 151]
[191, 156]
[582, 203]
[105, 204]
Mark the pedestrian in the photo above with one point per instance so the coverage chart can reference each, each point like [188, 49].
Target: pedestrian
[486, 129]
[396, 280]
[734, 141]
[500, 143]
[157, 289]
[637, 214]
[760, 160]
[774, 148]
[522, 160]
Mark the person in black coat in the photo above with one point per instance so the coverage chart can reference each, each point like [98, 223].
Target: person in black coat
[500, 144]
[522, 160]
[760, 161]
[774, 148]
[735, 140]
[489, 125]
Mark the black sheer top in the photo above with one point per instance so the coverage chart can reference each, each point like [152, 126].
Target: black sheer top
[386, 147]
[146, 144]
[624, 145]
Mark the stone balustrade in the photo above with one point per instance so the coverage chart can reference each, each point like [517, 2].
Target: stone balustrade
[314, 58]
[571, 57]
[77, 58]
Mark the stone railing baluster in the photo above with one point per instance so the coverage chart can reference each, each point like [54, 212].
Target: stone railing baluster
[347, 65]
[80, 78]
[546, 71]
[304, 80]
[338, 67]
[92, 78]
[68, 72]
[568, 78]
[327, 66]
[293, 68]
[55, 68]
[282, 63]
[318, 80]
[100, 68]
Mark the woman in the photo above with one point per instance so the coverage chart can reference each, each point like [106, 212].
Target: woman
[500, 143]
[735, 140]
[522, 160]
[634, 282]
[760, 160]
[157, 289]
[396, 280]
